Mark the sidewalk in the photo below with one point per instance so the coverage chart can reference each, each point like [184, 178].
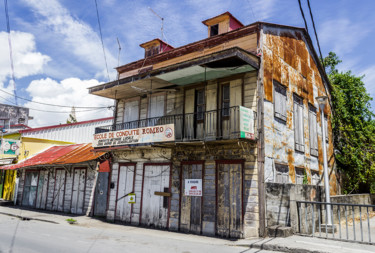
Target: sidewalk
[298, 244]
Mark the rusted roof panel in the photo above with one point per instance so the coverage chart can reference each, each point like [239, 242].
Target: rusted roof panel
[58, 155]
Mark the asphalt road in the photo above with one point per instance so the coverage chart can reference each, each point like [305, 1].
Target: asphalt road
[38, 236]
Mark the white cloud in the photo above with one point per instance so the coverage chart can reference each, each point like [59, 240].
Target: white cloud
[26, 60]
[70, 92]
[72, 33]
[342, 35]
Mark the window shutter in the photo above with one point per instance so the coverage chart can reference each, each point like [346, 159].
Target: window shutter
[313, 131]
[298, 124]
[280, 101]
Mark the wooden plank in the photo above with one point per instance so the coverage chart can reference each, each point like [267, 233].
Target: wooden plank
[164, 194]
[125, 186]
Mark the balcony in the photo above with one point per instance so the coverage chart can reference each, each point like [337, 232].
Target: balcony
[221, 124]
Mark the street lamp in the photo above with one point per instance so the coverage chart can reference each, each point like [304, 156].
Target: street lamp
[322, 100]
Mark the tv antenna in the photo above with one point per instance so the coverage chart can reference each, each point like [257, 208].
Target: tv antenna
[162, 22]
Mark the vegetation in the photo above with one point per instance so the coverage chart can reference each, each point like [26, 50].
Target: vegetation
[353, 128]
[71, 220]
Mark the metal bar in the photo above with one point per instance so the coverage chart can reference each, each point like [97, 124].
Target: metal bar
[360, 221]
[313, 220]
[299, 216]
[338, 212]
[346, 218]
[326, 221]
[306, 224]
[320, 225]
[337, 204]
[368, 222]
[353, 222]
[332, 221]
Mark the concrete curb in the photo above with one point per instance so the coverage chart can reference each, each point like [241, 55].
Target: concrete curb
[28, 218]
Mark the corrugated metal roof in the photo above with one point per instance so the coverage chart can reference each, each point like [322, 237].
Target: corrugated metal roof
[58, 155]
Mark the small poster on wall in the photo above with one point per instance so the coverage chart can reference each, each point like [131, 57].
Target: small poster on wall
[193, 187]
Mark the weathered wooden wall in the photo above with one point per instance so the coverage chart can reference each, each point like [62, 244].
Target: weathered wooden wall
[288, 60]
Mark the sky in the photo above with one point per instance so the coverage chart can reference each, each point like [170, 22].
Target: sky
[57, 50]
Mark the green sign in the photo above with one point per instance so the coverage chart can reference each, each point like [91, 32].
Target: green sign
[10, 147]
[246, 123]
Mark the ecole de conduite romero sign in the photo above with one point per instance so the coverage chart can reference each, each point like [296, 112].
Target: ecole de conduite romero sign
[135, 136]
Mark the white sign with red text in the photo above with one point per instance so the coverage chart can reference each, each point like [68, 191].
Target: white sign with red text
[150, 134]
[193, 187]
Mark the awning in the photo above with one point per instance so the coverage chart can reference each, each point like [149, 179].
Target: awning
[58, 155]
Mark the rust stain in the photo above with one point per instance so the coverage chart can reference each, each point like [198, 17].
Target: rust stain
[292, 173]
[276, 75]
[268, 66]
[289, 119]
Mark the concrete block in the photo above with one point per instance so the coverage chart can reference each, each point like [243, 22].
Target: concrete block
[279, 231]
[208, 228]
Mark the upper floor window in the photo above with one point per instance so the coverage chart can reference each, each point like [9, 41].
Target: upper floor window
[200, 105]
[152, 51]
[300, 175]
[282, 173]
[214, 30]
[131, 110]
[280, 100]
[298, 123]
[225, 100]
[313, 131]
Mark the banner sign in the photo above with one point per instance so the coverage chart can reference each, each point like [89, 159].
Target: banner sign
[135, 136]
[193, 187]
[246, 123]
[10, 147]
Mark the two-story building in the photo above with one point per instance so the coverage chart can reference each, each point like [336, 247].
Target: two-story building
[199, 129]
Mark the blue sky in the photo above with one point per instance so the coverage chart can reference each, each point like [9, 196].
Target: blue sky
[58, 54]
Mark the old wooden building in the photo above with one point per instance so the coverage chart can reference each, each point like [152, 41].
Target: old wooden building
[200, 128]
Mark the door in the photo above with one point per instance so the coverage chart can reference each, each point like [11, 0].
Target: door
[155, 195]
[229, 199]
[2, 178]
[199, 116]
[30, 188]
[124, 187]
[131, 114]
[156, 109]
[78, 191]
[231, 99]
[101, 191]
[59, 190]
[42, 190]
[191, 206]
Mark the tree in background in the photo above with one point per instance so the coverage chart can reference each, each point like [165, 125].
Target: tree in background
[72, 116]
[353, 128]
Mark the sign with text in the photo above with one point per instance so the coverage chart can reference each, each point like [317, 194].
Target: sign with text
[246, 123]
[131, 198]
[10, 147]
[135, 136]
[193, 187]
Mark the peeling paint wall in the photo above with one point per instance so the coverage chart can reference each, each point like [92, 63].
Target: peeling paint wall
[288, 60]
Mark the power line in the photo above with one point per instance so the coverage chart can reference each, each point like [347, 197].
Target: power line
[10, 50]
[303, 15]
[101, 38]
[68, 106]
[316, 35]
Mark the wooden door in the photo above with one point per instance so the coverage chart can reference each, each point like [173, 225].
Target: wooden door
[42, 190]
[156, 109]
[155, 208]
[78, 191]
[101, 190]
[59, 190]
[30, 188]
[124, 187]
[229, 200]
[189, 114]
[131, 114]
[191, 206]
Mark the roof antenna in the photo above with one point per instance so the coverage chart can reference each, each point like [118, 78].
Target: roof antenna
[119, 51]
[162, 22]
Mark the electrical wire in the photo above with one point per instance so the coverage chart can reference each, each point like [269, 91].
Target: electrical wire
[316, 35]
[67, 106]
[101, 38]
[303, 15]
[10, 50]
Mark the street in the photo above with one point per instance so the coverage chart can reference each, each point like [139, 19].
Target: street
[18, 235]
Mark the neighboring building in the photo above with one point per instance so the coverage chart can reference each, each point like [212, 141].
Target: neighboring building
[60, 178]
[11, 115]
[199, 129]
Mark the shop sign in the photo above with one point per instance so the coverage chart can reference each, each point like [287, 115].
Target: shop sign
[10, 147]
[246, 123]
[193, 187]
[150, 134]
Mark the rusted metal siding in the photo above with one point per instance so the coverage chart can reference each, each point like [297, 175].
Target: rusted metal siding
[288, 60]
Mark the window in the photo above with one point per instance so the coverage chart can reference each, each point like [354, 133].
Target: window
[282, 173]
[200, 106]
[298, 124]
[315, 179]
[313, 131]
[131, 113]
[151, 51]
[226, 103]
[300, 175]
[156, 109]
[280, 101]
[214, 30]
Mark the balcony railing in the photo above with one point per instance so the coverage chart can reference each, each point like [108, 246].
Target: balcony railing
[221, 124]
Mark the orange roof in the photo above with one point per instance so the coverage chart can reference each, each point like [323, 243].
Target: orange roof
[57, 155]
